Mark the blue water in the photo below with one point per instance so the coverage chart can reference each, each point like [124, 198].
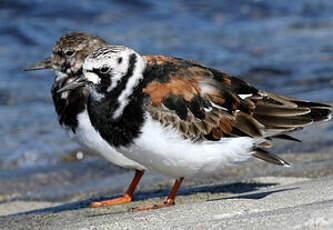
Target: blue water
[283, 46]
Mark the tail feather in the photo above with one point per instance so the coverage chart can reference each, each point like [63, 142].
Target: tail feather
[305, 103]
[281, 112]
[275, 116]
[248, 125]
[319, 114]
[269, 157]
[319, 111]
[283, 122]
[281, 115]
[285, 137]
[267, 109]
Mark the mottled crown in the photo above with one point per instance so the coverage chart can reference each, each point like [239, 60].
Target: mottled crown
[71, 49]
[109, 52]
[77, 41]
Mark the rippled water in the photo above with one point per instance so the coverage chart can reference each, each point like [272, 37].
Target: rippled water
[284, 46]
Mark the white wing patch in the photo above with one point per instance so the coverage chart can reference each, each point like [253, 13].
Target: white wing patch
[243, 96]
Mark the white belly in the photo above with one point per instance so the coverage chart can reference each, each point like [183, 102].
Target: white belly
[87, 136]
[164, 150]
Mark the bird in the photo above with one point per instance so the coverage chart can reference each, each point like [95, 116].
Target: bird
[66, 60]
[181, 118]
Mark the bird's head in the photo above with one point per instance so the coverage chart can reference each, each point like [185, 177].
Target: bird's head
[114, 68]
[113, 72]
[69, 53]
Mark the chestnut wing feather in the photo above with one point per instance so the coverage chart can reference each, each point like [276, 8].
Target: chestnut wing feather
[206, 103]
[195, 99]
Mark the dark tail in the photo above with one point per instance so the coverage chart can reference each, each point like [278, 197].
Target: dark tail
[269, 157]
[276, 117]
[280, 112]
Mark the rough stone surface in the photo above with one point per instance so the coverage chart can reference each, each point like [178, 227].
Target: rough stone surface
[296, 204]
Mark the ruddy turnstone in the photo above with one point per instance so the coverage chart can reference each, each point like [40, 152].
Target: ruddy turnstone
[66, 61]
[181, 118]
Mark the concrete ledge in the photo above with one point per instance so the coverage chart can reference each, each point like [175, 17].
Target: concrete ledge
[301, 205]
[296, 203]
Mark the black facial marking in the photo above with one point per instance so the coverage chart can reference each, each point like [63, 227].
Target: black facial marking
[104, 69]
[103, 74]
[94, 70]
[106, 81]
[120, 60]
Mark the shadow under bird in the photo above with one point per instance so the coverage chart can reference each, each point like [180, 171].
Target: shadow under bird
[181, 118]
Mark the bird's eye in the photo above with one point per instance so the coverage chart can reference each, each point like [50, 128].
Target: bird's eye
[69, 53]
[59, 53]
[104, 69]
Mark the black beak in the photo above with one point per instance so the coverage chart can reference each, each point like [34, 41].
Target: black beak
[44, 64]
[78, 82]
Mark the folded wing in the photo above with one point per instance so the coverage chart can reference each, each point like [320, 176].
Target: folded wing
[207, 104]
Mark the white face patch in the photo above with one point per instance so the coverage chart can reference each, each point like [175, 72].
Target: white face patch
[94, 78]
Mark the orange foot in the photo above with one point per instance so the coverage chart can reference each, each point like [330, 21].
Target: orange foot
[170, 201]
[153, 206]
[120, 200]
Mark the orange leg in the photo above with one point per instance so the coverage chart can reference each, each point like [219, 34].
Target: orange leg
[126, 198]
[170, 201]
